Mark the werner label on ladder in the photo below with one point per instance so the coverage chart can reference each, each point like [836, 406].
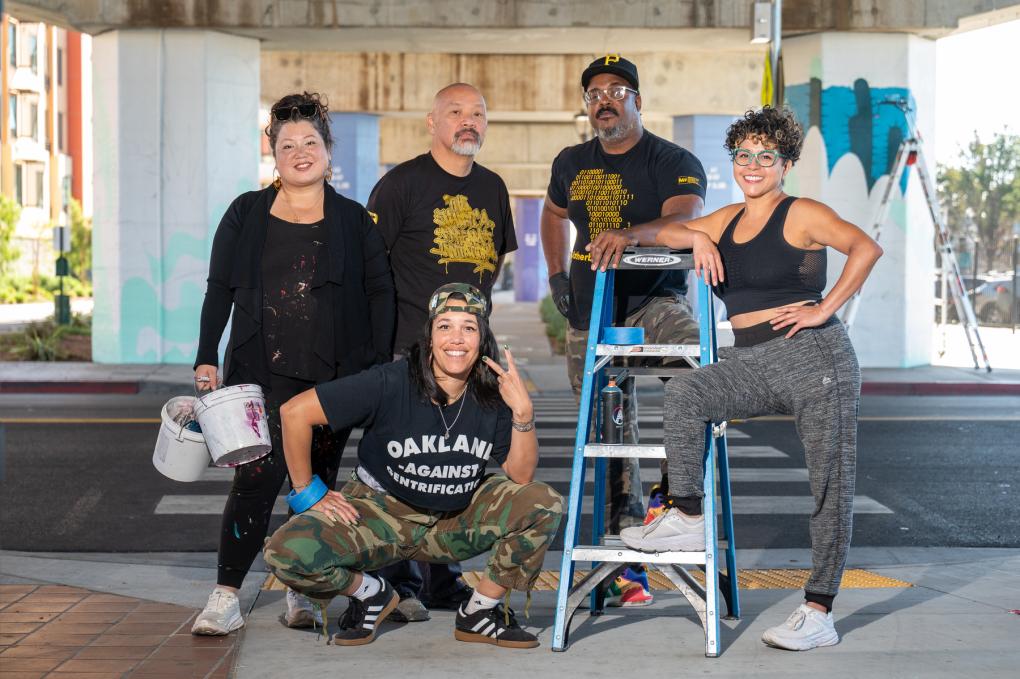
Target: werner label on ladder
[608, 554]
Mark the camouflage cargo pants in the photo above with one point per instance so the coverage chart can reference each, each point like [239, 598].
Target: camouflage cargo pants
[666, 320]
[516, 522]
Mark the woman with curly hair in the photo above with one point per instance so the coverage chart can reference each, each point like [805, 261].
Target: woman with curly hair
[306, 275]
[767, 259]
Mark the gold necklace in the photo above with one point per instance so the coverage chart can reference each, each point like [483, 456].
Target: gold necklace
[290, 207]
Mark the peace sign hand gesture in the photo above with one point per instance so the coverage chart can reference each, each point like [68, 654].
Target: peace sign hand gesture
[511, 387]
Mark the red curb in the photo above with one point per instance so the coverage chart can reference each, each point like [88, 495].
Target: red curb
[69, 387]
[941, 388]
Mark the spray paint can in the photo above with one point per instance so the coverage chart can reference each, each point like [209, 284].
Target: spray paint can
[612, 413]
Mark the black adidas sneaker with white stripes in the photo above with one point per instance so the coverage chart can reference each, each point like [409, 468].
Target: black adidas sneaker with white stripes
[361, 620]
[495, 626]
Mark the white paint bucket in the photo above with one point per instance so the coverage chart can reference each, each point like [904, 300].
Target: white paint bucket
[234, 422]
[180, 453]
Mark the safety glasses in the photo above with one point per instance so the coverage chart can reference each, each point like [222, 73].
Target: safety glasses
[466, 298]
[616, 93]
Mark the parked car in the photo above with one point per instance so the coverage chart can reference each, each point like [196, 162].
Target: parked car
[969, 284]
[993, 300]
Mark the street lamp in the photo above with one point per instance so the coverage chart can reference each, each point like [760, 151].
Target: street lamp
[582, 126]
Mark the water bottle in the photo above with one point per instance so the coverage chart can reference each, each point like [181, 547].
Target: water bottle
[612, 413]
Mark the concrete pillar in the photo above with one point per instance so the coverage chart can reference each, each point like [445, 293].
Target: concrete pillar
[531, 276]
[355, 154]
[703, 135]
[836, 83]
[176, 134]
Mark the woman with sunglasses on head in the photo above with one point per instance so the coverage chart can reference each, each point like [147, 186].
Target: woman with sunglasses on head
[792, 355]
[432, 421]
[307, 278]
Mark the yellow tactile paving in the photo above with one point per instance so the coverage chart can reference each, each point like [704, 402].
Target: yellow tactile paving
[785, 578]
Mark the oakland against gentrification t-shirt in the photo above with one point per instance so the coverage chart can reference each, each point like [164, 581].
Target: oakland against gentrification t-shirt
[439, 228]
[603, 191]
[404, 446]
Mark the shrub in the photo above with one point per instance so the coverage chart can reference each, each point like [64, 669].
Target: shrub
[555, 324]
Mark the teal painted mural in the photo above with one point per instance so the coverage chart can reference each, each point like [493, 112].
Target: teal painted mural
[857, 120]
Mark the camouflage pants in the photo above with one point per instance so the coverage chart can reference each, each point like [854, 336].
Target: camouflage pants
[666, 320]
[516, 522]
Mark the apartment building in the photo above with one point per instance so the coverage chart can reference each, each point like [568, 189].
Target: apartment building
[45, 90]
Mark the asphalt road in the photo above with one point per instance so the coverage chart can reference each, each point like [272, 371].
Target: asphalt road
[932, 471]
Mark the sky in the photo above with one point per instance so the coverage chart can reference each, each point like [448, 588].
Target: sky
[976, 87]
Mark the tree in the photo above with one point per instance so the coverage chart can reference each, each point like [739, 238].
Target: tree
[985, 188]
[10, 213]
[79, 259]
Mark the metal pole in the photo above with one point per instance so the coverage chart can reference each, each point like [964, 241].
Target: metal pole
[774, 45]
[1013, 306]
[973, 284]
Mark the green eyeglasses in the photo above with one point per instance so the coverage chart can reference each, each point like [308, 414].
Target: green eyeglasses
[465, 298]
[766, 158]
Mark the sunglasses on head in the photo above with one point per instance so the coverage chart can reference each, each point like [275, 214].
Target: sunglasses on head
[284, 113]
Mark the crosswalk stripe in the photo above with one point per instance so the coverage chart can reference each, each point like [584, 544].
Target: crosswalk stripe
[562, 475]
[780, 504]
[742, 504]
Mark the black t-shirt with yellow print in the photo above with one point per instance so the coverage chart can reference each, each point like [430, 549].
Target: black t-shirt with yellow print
[602, 191]
[439, 228]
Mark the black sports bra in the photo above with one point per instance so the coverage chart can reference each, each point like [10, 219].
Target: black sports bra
[767, 271]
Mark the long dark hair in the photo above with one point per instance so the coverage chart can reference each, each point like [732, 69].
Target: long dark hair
[481, 382]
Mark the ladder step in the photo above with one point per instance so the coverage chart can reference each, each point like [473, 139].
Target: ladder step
[615, 551]
[625, 450]
[648, 350]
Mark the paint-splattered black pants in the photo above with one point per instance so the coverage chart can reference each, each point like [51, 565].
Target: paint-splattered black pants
[257, 484]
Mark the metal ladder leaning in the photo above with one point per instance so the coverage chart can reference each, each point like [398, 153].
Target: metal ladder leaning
[609, 556]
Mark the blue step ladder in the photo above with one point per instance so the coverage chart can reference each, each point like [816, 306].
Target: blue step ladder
[607, 554]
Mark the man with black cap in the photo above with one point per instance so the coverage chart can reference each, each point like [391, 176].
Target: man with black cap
[625, 176]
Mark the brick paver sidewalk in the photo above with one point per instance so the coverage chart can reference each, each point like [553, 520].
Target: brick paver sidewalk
[57, 631]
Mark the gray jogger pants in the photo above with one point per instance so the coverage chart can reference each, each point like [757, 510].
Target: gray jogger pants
[813, 376]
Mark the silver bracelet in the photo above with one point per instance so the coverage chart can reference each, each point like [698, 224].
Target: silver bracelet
[526, 426]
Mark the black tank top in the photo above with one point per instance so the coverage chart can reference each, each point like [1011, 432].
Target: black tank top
[767, 271]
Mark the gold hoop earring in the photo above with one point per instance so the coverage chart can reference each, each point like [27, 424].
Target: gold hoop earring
[277, 182]
[329, 173]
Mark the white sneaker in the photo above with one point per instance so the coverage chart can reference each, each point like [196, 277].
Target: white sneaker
[805, 629]
[301, 613]
[671, 531]
[222, 614]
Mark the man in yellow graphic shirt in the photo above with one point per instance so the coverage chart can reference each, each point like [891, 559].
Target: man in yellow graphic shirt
[625, 176]
[444, 219]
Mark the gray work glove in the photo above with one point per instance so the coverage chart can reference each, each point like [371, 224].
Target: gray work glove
[559, 288]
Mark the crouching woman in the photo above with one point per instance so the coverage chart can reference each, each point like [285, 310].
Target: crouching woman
[421, 490]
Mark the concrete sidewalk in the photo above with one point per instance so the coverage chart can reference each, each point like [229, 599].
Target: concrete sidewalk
[958, 618]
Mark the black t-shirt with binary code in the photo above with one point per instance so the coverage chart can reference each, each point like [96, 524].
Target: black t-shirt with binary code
[404, 446]
[602, 191]
[439, 228]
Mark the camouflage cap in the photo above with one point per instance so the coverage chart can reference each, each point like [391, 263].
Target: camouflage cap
[471, 300]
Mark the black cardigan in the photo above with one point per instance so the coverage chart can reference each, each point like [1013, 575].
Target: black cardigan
[356, 288]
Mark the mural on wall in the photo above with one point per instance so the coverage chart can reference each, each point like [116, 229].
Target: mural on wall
[855, 120]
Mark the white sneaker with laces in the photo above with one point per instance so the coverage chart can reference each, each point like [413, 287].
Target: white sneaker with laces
[222, 614]
[806, 628]
[671, 531]
[301, 613]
